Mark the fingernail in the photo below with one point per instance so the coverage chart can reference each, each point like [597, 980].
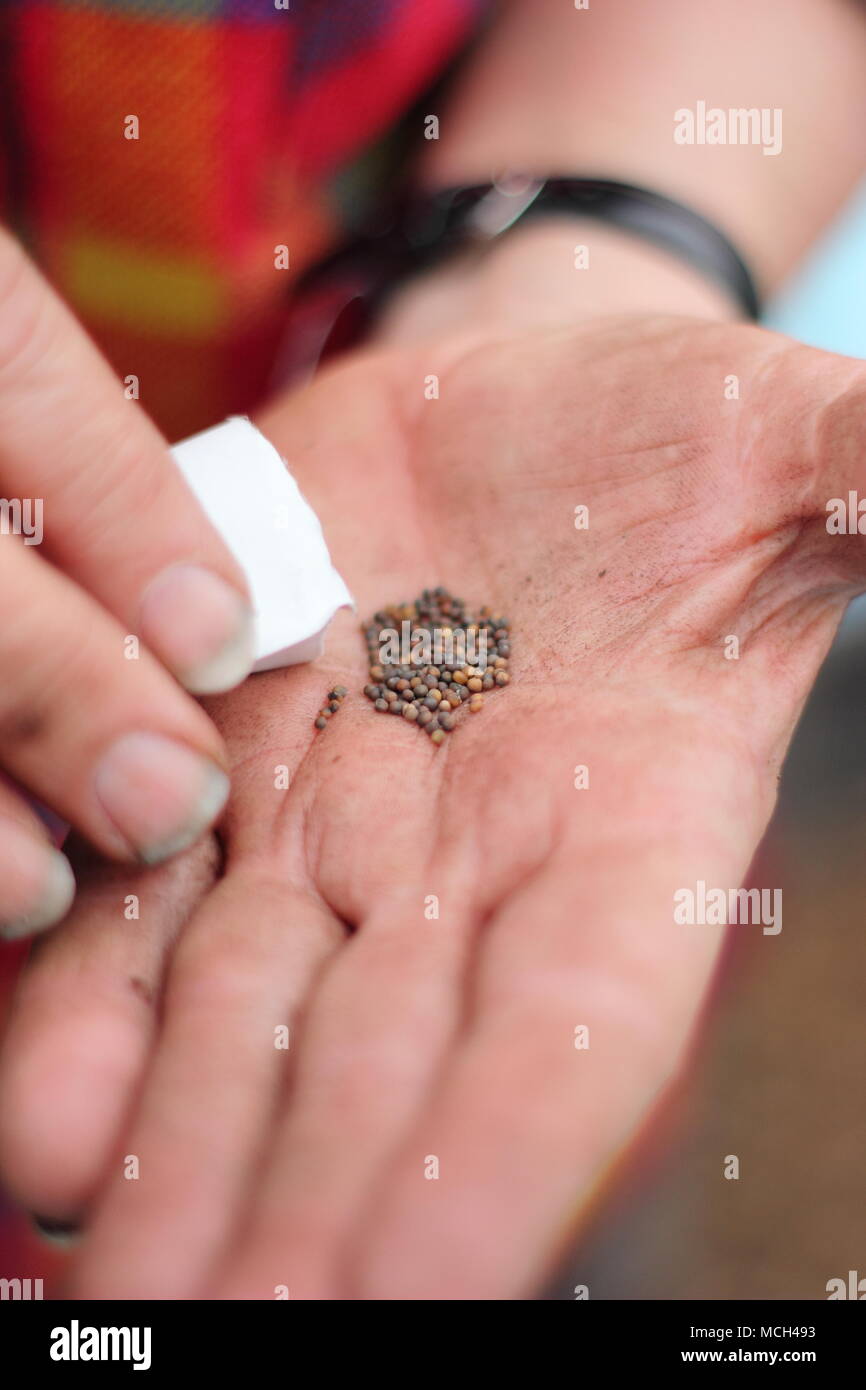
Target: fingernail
[40, 879]
[60, 1233]
[200, 627]
[159, 795]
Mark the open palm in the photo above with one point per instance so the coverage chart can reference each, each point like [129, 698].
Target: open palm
[474, 948]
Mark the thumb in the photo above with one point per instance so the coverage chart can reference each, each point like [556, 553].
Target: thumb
[801, 454]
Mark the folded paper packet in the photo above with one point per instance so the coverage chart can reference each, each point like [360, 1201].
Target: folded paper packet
[254, 502]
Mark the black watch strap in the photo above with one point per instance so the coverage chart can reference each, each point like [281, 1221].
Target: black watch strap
[335, 302]
[435, 225]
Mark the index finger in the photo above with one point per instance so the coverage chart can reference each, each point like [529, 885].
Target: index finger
[113, 509]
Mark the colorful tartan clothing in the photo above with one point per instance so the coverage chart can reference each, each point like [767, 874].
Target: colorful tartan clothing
[246, 112]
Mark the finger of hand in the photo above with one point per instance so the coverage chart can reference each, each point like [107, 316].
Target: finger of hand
[82, 1024]
[36, 883]
[115, 511]
[373, 1035]
[111, 744]
[525, 1120]
[237, 981]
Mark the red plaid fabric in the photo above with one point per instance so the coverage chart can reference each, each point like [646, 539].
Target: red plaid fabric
[156, 152]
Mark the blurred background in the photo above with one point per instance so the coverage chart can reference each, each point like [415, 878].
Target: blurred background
[778, 1075]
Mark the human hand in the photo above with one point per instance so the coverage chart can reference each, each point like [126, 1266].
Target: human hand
[110, 744]
[454, 1037]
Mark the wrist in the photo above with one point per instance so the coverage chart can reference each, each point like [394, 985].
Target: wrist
[554, 272]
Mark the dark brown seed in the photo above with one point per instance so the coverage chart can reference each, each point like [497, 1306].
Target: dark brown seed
[333, 706]
[502, 678]
[428, 693]
[321, 723]
[340, 691]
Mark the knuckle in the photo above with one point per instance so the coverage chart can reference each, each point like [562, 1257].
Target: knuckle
[41, 660]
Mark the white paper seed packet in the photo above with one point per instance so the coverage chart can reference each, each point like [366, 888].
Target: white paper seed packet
[254, 502]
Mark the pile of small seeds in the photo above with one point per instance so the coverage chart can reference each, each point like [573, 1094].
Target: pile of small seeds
[331, 706]
[425, 693]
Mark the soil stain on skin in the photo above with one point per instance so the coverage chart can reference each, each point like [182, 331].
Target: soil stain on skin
[23, 728]
[141, 988]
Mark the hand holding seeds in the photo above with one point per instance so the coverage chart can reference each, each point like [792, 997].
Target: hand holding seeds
[433, 931]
